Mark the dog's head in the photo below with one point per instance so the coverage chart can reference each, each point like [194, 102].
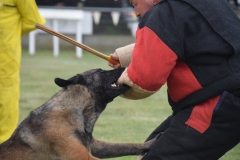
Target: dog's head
[100, 82]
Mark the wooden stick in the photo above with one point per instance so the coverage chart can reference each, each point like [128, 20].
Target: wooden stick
[84, 47]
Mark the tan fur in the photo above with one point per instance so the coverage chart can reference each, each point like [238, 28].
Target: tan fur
[61, 129]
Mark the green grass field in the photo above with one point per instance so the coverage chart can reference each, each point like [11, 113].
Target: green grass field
[122, 121]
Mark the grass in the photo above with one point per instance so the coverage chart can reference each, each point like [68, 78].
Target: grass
[122, 121]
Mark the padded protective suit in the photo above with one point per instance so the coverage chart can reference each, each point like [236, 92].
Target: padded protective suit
[17, 17]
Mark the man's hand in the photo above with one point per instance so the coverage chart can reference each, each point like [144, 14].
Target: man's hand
[114, 56]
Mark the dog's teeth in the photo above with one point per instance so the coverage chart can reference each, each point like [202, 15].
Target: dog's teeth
[115, 85]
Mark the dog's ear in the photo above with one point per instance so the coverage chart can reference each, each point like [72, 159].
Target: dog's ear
[78, 79]
[61, 82]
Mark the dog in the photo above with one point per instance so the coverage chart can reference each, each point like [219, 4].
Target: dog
[61, 129]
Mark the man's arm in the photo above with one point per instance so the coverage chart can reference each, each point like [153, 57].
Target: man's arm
[29, 15]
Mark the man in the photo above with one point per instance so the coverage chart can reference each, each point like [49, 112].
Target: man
[17, 17]
[193, 46]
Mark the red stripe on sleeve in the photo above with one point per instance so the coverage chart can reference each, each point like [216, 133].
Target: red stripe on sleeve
[152, 61]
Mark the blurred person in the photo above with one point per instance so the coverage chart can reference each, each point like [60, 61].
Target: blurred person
[16, 18]
[193, 46]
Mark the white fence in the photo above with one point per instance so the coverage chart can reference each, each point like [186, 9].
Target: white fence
[64, 21]
[69, 21]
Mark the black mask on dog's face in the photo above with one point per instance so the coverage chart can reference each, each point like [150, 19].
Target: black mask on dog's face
[99, 81]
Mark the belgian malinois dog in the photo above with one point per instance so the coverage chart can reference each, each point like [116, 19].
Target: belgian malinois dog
[61, 129]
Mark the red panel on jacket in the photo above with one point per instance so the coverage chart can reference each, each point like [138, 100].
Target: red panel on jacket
[181, 82]
[201, 115]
